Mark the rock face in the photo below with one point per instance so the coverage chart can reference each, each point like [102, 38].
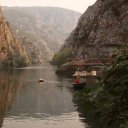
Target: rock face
[102, 28]
[41, 29]
[12, 54]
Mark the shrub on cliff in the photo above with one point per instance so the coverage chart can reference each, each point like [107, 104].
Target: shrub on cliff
[62, 56]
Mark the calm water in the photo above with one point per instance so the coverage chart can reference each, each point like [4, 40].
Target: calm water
[24, 103]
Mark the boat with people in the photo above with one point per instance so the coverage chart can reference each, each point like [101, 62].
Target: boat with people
[78, 83]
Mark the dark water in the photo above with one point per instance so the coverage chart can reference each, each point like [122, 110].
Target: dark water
[24, 103]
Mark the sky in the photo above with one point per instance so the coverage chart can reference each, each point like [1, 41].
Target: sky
[76, 5]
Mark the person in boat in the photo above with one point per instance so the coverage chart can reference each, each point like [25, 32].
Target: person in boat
[77, 81]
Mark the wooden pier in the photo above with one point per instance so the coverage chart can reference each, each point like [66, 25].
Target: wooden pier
[85, 65]
[88, 62]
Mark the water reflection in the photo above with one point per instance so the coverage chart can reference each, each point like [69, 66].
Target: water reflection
[26, 103]
[7, 92]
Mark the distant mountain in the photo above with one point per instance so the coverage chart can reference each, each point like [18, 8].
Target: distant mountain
[41, 29]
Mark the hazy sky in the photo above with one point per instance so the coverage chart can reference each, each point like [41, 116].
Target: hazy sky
[77, 5]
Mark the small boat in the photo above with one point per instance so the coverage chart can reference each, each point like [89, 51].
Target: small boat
[79, 86]
[41, 80]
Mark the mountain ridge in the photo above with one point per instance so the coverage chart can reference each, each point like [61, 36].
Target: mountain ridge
[48, 26]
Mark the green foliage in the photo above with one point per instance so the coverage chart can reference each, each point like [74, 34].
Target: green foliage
[114, 97]
[125, 125]
[20, 62]
[15, 60]
[110, 97]
[61, 57]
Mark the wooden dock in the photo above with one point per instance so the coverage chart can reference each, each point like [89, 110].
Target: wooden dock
[93, 64]
[88, 62]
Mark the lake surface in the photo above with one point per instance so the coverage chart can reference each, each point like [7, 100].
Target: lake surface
[25, 103]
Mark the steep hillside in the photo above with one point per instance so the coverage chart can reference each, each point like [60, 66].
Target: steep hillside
[102, 28]
[12, 54]
[41, 29]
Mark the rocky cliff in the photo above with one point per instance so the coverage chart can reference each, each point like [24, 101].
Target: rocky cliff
[12, 54]
[102, 28]
[41, 29]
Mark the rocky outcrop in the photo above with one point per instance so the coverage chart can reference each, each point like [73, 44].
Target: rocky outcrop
[102, 28]
[41, 29]
[37, 50]
[12, 54]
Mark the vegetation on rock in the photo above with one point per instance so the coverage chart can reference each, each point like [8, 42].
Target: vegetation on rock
[62, 57]
[109, 99]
